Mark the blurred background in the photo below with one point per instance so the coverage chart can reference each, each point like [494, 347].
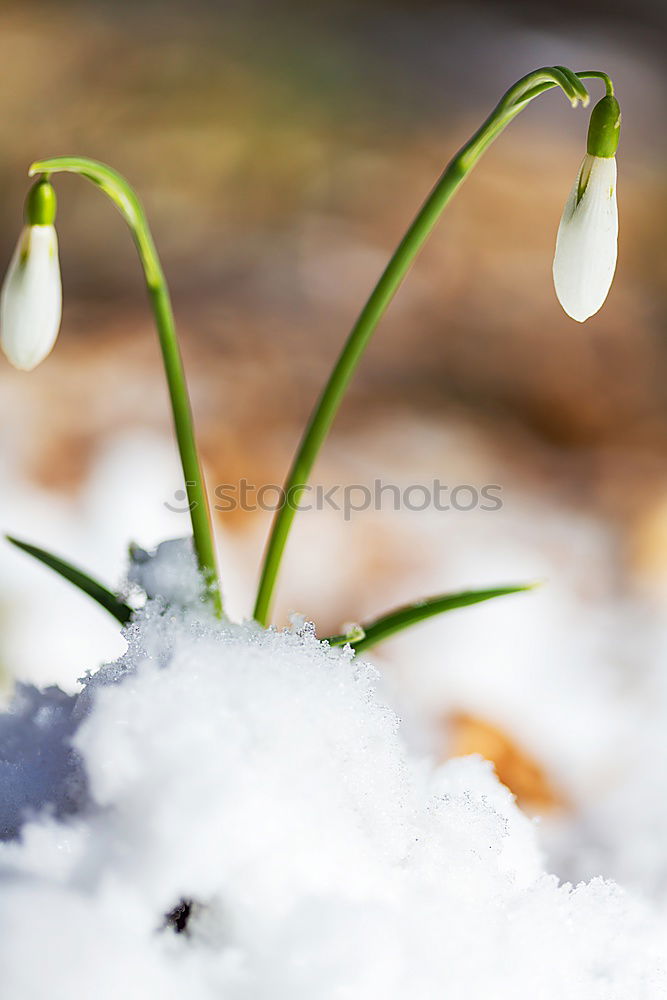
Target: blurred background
[281, 149]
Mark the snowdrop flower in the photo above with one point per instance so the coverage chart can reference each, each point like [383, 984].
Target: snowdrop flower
[586, 246]
[31, 300]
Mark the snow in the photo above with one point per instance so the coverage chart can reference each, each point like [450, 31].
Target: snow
[620, 828]
[37, 764]
[169, 573]
[264, 776]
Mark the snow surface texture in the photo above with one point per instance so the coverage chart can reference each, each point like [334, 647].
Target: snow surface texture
[262, 776]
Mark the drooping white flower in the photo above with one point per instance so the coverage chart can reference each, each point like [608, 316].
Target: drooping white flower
[31, 304]
[587, 242]
[31, 300]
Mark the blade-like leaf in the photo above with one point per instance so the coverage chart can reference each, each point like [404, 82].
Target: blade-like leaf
[411, 614]
[122, 612]
[353, 635]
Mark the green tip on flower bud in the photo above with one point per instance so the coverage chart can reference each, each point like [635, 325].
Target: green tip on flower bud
[40, 206]
[604, 128]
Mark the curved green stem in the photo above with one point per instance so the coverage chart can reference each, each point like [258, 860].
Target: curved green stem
[126, 201]
[593, 74]
[510, 105]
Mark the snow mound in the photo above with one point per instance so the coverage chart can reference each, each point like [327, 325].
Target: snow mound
[254, 786]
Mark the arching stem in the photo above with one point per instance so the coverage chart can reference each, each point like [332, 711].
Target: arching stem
[513, 102]
[126, 201]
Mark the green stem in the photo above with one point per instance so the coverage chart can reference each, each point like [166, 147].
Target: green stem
[593, 74]
[126, 201]
[513, 102]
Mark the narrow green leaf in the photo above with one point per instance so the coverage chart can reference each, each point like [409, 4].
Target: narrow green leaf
[355, 634]
[411, 614]
[122, 612]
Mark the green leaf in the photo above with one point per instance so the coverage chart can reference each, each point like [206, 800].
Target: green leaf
[122, 612]
[411, 614]
[354, 634]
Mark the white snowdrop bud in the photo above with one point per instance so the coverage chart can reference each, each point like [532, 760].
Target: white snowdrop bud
[586, 245]
[31, 300]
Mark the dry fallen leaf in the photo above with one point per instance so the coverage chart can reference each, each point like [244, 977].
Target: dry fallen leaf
[524, 776]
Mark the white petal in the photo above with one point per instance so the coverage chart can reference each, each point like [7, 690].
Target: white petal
[31, 302]
[587, 242]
